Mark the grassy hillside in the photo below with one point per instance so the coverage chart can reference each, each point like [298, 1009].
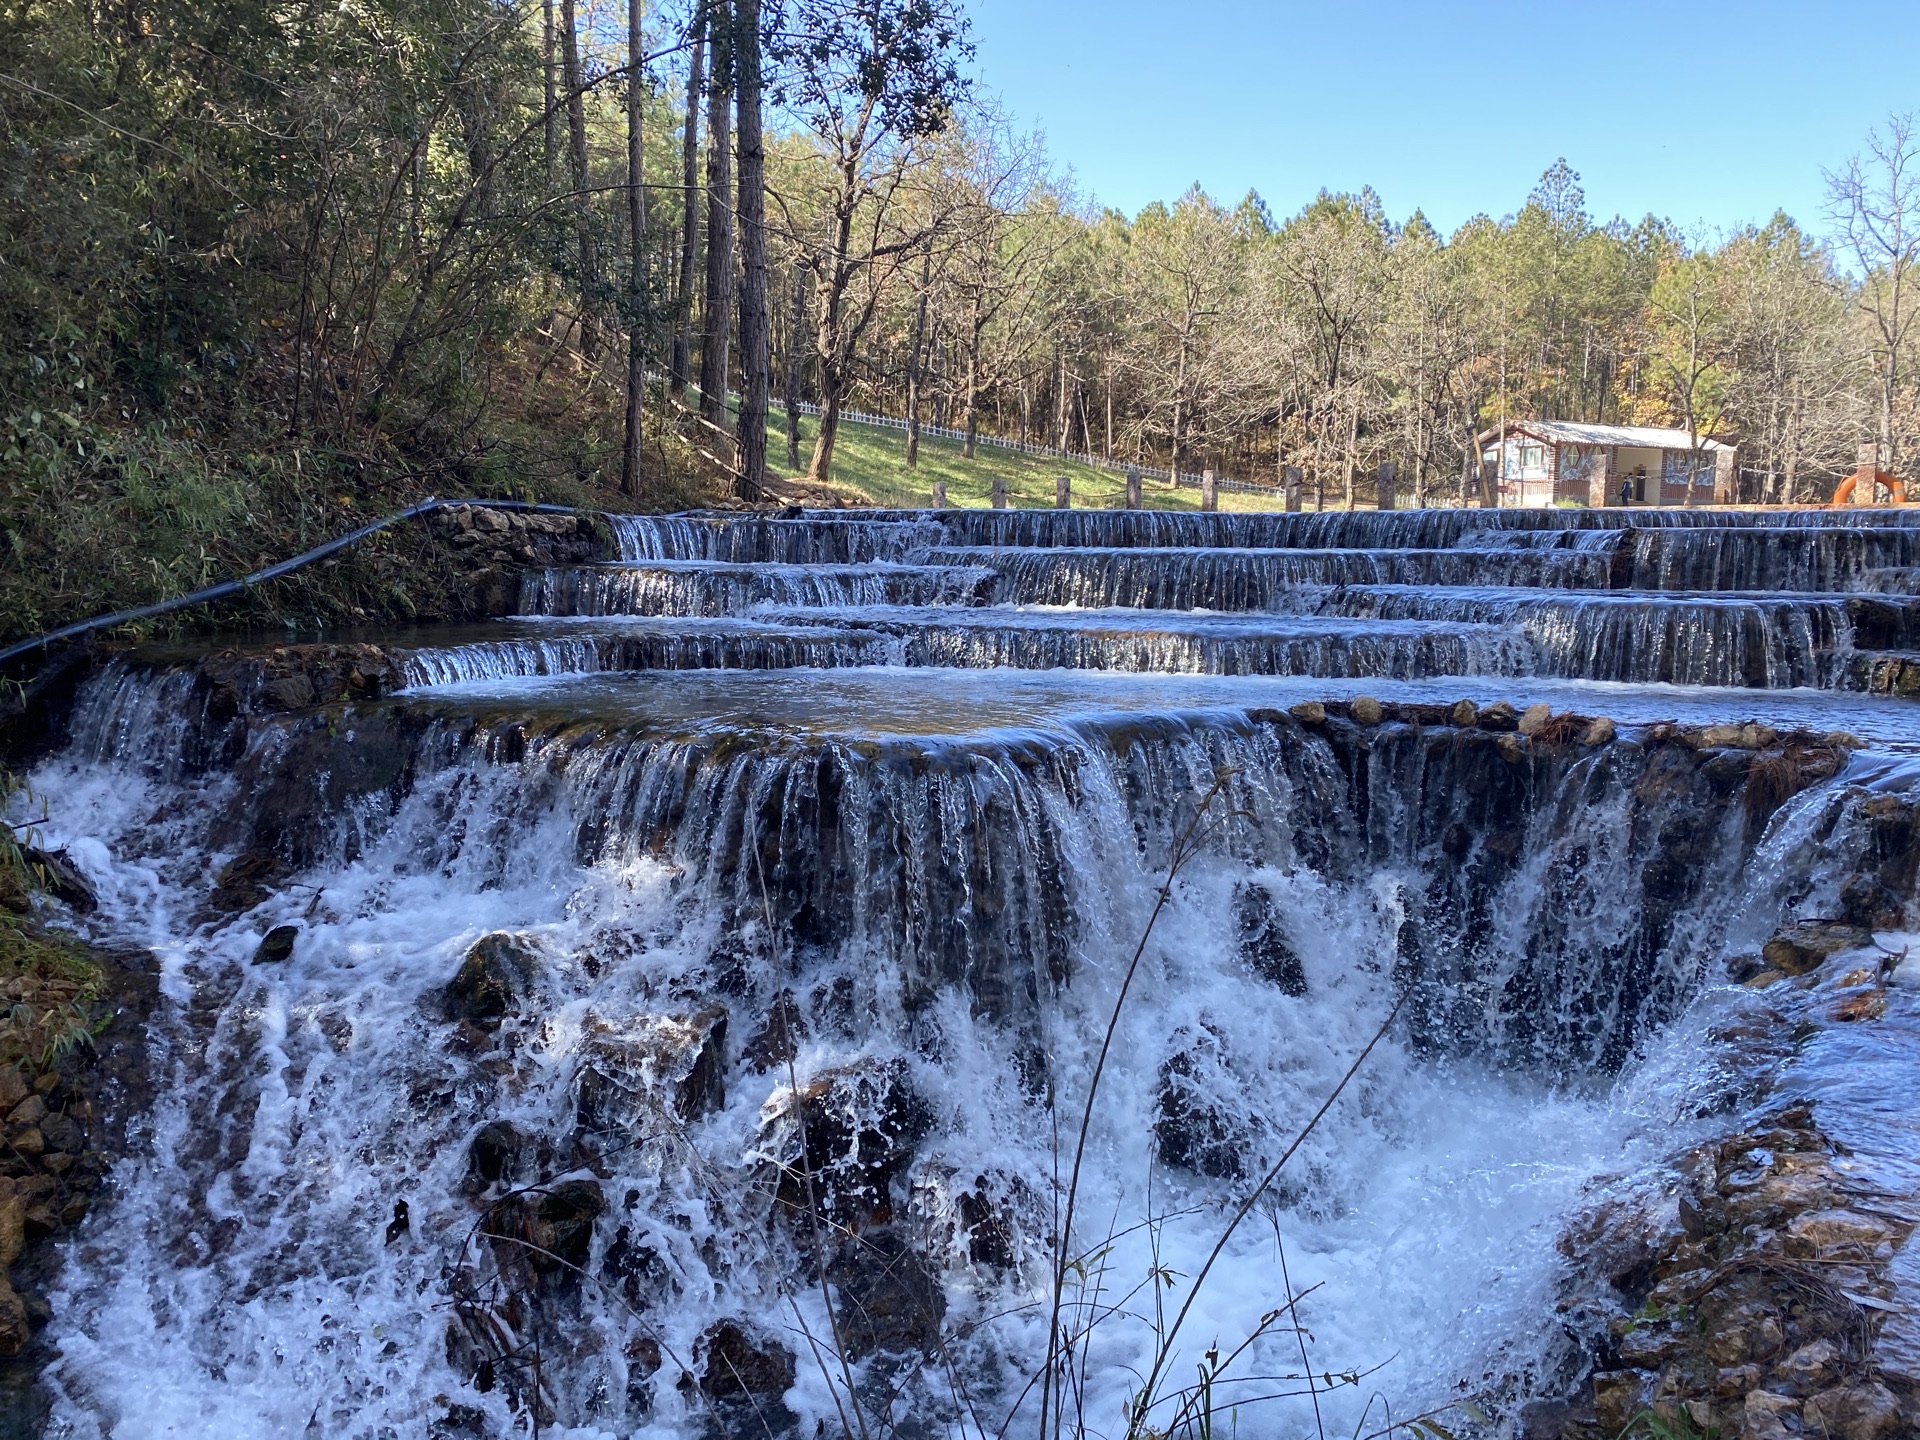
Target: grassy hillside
[870, 466]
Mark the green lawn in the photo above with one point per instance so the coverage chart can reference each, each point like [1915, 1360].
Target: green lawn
[870, 462]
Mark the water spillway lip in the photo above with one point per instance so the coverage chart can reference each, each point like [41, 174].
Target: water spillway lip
[979, 638]
[1611, 517]
[1111, 618]
[978, 554]
[870, 702]
[752, 568]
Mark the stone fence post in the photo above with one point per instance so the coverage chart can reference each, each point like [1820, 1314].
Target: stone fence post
[1293, 489]
[1133, 487]
[1209, 491]
[999, 492]
[1866, 473]
[1386, 486]
[1600, 480]
[1063, 492]
[939, 494]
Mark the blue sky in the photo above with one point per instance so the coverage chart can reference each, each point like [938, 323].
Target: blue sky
[1712, 114]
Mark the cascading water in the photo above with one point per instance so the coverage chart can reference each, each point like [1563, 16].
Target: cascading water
[715, 1026]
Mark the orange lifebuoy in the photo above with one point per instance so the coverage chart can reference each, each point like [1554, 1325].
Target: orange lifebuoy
[1897, 487]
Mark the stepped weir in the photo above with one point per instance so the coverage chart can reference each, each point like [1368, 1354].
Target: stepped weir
[698, 978]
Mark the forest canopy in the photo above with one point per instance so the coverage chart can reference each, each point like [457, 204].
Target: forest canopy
[269, 267]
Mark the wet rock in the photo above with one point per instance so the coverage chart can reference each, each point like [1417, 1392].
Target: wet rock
[1865, 1411]
[1599, 732]
[858, 1129]
[1715, 737]
[1194, 1126]
[1743, 968]
[1648, 1346]
[549, 1232]
[1621, 1242]
[277, 947]
[1869, 903]
[497, 975]
[58, 876]
[1618, 1396]
[1545, 1420]
[1534, 719]
[494, 1154]
[246, 881]
[1811, 1367]
[1800, 948]
[1745, 1333]
[1463, 714]
[656, 1065]
[887, 1298]
[1262, 939]
[777, 1041]
[743, 1376]
[1499, 716]
[1366, 711]
[460, 1422]
[296, 677]
[640, 1269]
[1309, 712]
[989, 1229]
[1824, 1234]
[63, 1133]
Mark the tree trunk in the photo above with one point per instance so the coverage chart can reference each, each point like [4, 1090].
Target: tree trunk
[583, 202]
[680, 361]
[637, 251]
[913, 361]
[717, 318]
[973, 380]
[1179, 420]
[794, 353]
[756, 339]
[549, 40]
[1352, 455]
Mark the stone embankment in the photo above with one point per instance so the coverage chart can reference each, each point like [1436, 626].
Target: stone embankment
[1762, 1288]
[72, 1075]
[491, 547]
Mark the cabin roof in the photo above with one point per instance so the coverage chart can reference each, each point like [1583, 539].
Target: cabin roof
[1571, 432]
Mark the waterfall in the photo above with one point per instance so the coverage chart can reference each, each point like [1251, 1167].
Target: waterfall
[704, 588]
[714, 959]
